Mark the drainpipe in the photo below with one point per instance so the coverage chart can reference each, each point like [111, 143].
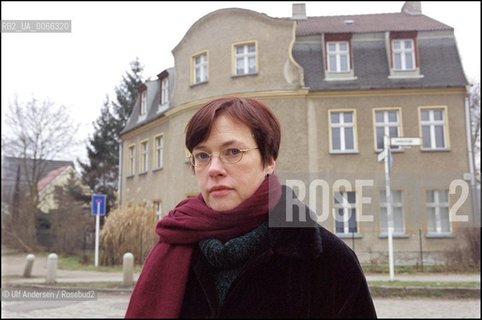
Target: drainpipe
[468, 129]
[120, 173]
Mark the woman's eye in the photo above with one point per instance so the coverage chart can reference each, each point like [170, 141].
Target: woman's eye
[202, 156]
[232, 152]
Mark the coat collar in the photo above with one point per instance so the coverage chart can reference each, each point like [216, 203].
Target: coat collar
[295, 234]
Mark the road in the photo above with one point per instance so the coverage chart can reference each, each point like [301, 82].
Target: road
[109, 305]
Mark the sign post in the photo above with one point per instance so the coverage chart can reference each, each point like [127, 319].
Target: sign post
[386, 155]
[388, 196]
[98, 209]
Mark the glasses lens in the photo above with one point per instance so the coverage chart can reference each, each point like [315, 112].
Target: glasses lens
[232, 155]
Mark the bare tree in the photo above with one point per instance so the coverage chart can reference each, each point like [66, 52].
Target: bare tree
[474, 102]
[34, 132]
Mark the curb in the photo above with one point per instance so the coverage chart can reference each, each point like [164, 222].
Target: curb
[376, 291]
[449, 293]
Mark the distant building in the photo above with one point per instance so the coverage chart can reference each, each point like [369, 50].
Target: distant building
[338, 85]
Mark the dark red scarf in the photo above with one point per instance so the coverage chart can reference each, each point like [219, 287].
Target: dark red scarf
[159, 292]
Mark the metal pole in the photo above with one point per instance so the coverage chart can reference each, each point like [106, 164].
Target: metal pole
[388, 194]
[97, 227]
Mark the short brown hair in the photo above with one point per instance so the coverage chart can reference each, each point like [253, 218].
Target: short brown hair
[257, 116]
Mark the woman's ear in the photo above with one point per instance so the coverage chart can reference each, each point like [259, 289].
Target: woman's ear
[269, 169]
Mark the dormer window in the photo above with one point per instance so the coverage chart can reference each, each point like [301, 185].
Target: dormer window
[338, 61]
[403, 54]
[144, 102]
[165, 91]
[338, 56]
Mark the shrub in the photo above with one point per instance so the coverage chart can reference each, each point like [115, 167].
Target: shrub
[128, 229]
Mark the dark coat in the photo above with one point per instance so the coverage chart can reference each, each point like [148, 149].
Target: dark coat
[307, 272]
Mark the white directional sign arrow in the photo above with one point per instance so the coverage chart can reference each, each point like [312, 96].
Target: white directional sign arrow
[382, 155]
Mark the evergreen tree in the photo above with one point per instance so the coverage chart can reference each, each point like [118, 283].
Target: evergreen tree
[126, 94]
[102, 171]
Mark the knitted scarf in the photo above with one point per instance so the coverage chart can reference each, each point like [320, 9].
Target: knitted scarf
[159, 291]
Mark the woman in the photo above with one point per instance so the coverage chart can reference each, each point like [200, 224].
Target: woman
[217, 255]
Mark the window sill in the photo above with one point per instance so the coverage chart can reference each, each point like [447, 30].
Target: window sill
[143, 173]
[394, 236]
[131, 176]
[162, 108]
[142, 118]
[198, 84]
[157, 169]
[344, 152]
[243, 75]
[349, 235]
[340, 79]
[434, 150]
[441, 235]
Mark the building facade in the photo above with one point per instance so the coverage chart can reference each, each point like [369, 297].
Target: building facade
[338, 86]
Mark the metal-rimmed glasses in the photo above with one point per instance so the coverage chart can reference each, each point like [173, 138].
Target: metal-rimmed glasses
[200, 159]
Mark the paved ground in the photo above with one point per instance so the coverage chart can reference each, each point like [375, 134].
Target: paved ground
[113, 305]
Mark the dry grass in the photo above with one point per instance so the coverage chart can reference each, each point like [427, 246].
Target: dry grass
[128, 229]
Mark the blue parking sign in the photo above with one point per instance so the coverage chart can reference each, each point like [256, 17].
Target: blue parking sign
[98, 204]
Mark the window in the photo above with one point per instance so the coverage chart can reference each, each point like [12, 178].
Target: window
[387, 123]
[403, 54]
[143, 102]
[397, 211]
[338, 54]
[245, 59]
[158, 208]
[132, 160]
[200, 68]
[144, 156]
[345, 213]
[438, 212]
[433, 127]
[342, 131]
[159, 150]
[164, 91]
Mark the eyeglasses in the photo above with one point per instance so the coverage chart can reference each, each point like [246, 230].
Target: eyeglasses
[230, 155]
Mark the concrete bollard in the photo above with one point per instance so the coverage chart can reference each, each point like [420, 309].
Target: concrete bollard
[128, 269]
[27, 270]
[51, 268]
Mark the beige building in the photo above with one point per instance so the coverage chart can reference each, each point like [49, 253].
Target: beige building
[338, 85]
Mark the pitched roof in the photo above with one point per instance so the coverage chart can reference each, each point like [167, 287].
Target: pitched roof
[50, 177]
[368, 23]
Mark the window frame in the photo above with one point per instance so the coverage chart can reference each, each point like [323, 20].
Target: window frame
[203, 65]
[432, 123]
[158, 152]
[143, 106]
[338, 53]
[331, 126]
[386, 126]
[403, 54]
[131, 149]
[399, 205]
[144, 156]
[438, 205]
[245, 55]
[345, 206]
[164, 91]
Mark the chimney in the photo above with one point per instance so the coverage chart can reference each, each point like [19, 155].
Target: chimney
[299, 11]
[412, 8]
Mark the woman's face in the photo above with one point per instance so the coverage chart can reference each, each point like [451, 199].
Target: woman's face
[225, 185]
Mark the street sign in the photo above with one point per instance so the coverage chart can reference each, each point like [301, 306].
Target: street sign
[382, 155]
[405, 141]
[98, 204]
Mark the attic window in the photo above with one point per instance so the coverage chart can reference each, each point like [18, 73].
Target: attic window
[349, 21]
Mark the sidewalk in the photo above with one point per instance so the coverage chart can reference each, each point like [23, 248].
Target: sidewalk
[13, 267]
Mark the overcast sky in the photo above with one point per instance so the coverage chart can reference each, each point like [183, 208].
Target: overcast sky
[80, 68]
